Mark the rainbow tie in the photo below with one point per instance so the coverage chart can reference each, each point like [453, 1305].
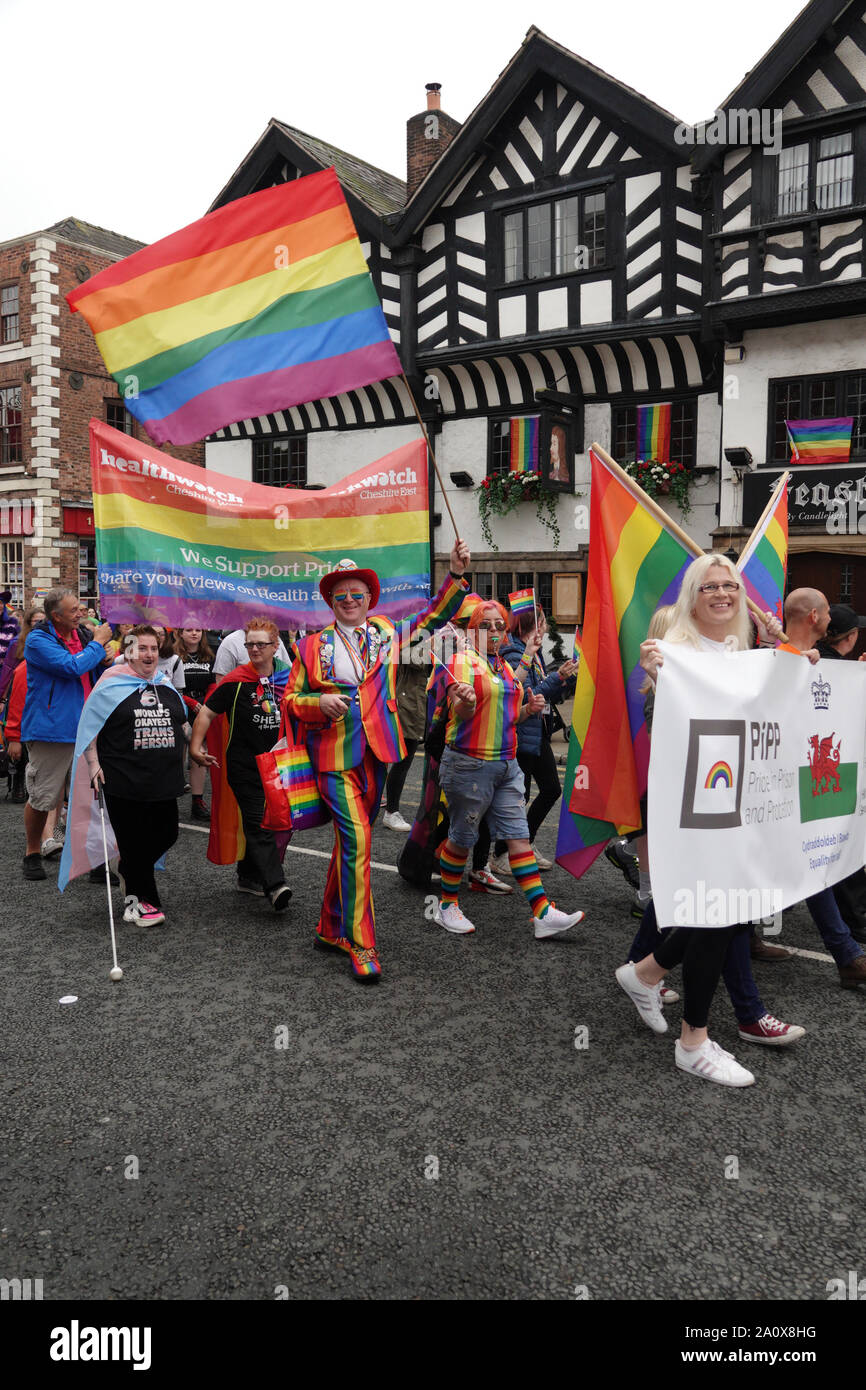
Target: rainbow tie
[361, 638]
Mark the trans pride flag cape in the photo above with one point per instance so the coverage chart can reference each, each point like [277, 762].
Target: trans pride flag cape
[185, 546]
[635, 564]
[262, 304]
[227, 843]
[764, 562]
[82, 848]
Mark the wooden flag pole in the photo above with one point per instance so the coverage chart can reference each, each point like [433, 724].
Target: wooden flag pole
[432, 455]
[655, 510]
[774, 497]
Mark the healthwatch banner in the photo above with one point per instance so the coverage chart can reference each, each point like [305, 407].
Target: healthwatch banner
[187, 547]
[756, 784]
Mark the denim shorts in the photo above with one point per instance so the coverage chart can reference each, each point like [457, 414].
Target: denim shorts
[474, 788]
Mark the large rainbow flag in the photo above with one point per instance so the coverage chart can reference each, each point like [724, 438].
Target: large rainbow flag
[654, 432]
[635, 564]
[260, 305]
[523, 440]
[185, 546]
[764, 561]
[820, 441]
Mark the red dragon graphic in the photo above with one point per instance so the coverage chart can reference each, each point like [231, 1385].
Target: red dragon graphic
[824, 764]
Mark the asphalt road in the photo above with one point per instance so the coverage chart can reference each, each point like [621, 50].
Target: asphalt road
[436, 1136]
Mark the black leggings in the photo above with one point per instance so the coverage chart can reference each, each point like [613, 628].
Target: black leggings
[144, 831]
[541, 766]
[397, 776]
[261, 863]
[701, 951]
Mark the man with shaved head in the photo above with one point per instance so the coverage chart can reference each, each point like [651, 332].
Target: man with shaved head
[807, 617]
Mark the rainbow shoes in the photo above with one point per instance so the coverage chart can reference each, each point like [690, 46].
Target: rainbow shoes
[366, 967]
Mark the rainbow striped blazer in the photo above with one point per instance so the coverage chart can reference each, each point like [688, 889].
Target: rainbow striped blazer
[371, 720]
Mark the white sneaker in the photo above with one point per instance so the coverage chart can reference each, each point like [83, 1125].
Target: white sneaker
[554, 922]
[142, 914]
[395, 821]
[499, 864]
[646, 998]
[713, 1064]
[668, 996]
[52, 846]
[540, 859]
[451, 918]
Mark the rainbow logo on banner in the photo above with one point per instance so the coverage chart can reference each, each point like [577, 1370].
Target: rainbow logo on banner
[185, 546]
[523, 435]
[260, 305]
[820, 441]
[635, 564]
[523, 601]
[720, 775]
[654, 432]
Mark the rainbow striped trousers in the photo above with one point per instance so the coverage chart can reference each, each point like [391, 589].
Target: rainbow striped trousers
[353, 798]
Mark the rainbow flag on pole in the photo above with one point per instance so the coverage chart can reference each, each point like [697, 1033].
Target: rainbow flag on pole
[820, 441]
[635, 564]
[523, 455]
[764, 562]
[522, 601]
[183, 546]
[260, 305]
[654, 432]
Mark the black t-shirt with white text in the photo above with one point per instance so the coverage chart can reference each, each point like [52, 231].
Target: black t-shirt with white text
[199, 677]
[140, 746]
[255, 724]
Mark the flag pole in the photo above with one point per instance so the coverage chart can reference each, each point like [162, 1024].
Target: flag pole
[432, 455]
[655, 510]
[781, 482]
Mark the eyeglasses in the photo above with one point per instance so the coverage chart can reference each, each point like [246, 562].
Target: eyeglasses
[254, 646]
[498, 626]
[728, 588]
[356, 596]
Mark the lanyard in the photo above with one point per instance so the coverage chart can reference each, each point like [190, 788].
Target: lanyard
[359, 666]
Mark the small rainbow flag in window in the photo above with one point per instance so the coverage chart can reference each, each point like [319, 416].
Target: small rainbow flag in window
[523, 601]
[820, 441]
[654, 432]
[523, 457]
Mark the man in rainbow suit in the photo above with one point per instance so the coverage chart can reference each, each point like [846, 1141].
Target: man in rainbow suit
[342, 689]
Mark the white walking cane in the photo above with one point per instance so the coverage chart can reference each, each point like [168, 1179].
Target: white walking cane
[115, 973]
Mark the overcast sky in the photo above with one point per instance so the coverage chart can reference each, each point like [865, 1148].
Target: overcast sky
[134, 115]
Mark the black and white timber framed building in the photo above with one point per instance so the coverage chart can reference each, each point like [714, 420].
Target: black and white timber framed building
[572, 251]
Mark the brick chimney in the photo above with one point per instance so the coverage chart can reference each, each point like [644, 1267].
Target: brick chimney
[428, 136]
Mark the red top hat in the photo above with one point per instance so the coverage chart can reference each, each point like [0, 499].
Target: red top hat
[347, 569]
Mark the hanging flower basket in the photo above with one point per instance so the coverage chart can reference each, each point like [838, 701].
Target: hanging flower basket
[502, 493]
[660, 479]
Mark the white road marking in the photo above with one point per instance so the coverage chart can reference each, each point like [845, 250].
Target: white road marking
[298, 849]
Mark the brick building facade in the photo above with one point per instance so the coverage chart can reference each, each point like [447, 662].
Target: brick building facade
[52, 382]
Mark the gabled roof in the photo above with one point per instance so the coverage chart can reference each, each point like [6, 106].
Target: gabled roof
[85, 234]
[778, 63]
[369, 189]
[540, 55]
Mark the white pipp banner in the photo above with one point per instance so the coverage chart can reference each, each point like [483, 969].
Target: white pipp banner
[756, 783]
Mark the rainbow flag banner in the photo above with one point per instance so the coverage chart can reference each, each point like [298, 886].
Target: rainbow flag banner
[764, 561]
[635, 564]
[523, 601]
[654, 432]
[262, 304]
[820, 441]
[182, 546]
[523, 436]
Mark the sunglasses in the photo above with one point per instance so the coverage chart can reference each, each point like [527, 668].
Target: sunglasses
[356, 596]
[497, 626]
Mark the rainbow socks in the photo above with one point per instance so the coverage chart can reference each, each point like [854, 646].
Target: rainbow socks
[452, 861]
[525, 869]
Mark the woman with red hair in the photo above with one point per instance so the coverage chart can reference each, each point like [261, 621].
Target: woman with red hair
[479, 772]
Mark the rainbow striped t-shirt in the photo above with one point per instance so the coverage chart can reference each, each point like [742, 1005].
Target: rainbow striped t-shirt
[492, 730]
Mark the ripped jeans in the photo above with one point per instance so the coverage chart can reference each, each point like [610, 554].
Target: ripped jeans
[479, 787]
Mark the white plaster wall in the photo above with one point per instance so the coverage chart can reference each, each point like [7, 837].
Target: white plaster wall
[835, 345]
[233, 457]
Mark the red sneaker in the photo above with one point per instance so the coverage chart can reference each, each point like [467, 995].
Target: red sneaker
[770, 1031]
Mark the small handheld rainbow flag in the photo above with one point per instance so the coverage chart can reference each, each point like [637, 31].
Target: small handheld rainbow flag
[260, 305]
[764, 561]
[820, 441]
[523, 456]
[654, 432]
[523, 601]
